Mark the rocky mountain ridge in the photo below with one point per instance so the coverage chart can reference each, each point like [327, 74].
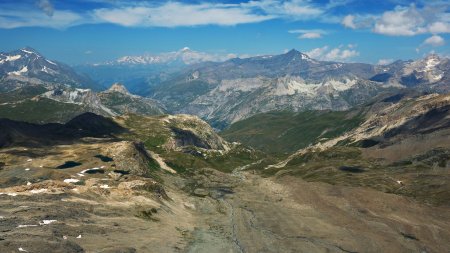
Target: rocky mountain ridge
[226, 92]
[27, 66]
[61, 103]
[184, 56]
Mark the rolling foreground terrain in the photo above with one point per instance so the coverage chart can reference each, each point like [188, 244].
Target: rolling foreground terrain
[171, 184]
[315, 156]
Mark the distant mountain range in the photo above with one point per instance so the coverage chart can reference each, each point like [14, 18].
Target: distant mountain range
[141, 73]
[35, 89]
[236, 89]
[221, 92]
[184, 56]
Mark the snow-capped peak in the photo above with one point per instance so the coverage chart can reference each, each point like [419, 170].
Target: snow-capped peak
[185, 55]
[29, 51]
[426, 68]
[431, 61]
[26, 51]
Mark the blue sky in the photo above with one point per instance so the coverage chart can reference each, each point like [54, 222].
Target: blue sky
[90, 31]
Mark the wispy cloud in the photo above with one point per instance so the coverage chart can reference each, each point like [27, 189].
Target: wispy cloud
[291, 9]
[402, 20]
[434, 41]
[309, 34]
[160, 13]
[385, 61]
[59, 19]
[174, 14]
[46, 6]
[349, 21]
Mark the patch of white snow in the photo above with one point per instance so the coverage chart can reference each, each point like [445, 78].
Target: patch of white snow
[36, 191]
[71, 180]
[20, 72]
[13, 58]
[46, 222]
[51, 62]
[26, 226]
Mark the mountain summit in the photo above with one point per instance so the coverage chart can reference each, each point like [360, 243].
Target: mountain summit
[26, 65]
[118, 87]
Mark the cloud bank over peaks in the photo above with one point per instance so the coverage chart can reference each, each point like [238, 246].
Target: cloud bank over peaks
[404, 20]
[341, 53]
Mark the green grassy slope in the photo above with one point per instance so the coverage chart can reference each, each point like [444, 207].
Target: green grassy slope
[155, 132]
[286, 132]
[40, 111]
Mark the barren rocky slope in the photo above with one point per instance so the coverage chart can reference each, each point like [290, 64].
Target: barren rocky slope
[171, 184]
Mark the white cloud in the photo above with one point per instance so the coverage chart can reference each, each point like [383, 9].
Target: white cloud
[317, 53]
[309, 34]
[349, 21]
[336, 3]
[435, 41]
[439, 27]
[431, 18]
[60, 19]
[405, 21]
[165, 13]
[401, 22]
[410, 21]
[385, 61]
[291, 9]
[358, 21]
[335, 54]
[46, 6]
[308, 31]
[174, 14]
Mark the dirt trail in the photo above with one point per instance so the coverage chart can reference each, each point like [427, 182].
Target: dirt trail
[161, 162]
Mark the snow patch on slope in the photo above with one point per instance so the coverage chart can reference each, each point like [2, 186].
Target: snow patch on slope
[26, 51]
[10, 58]
[20, 72]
